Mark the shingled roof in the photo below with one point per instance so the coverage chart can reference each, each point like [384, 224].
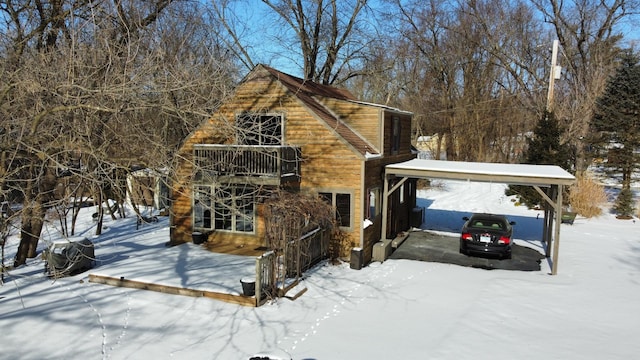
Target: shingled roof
[305, 91]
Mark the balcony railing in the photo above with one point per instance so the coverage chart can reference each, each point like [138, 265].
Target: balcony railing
[272, 164]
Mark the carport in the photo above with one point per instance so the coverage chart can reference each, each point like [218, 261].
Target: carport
[552, 177]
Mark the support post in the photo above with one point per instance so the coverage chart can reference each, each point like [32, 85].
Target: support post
[385, 207]
[552, 75]
[556, 244]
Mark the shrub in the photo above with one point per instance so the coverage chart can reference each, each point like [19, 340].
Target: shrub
[587, 197]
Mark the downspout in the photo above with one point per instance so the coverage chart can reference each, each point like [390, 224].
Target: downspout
[363, 200]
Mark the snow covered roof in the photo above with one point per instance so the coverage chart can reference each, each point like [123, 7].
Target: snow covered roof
[522, 174]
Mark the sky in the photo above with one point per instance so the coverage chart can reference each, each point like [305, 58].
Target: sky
[397, 309]
[277, 50]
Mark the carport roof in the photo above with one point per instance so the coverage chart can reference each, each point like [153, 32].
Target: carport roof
[521, 174]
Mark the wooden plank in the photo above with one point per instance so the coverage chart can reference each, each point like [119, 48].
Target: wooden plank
[167, 289]
[297, 295]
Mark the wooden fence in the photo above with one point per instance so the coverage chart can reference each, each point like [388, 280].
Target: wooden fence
[278, 273]
[265, 277]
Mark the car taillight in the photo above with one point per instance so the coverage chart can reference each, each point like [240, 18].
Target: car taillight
[467, 236]
[504, 240]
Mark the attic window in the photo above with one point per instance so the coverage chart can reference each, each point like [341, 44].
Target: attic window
[395, 144]
[259, 129]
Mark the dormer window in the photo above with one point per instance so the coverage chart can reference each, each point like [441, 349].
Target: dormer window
[259, 129]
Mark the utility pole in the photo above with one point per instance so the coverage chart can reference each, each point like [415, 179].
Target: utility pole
[554, 74]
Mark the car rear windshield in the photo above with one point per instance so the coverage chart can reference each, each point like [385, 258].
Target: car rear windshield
[488, 224]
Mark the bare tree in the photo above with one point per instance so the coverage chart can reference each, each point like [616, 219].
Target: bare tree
[471, 73]
[329, 33]
[119, 82]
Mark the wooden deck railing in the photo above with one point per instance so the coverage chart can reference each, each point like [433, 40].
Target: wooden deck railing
[248, 161]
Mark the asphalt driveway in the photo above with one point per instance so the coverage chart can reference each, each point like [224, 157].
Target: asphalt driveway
[427, 246]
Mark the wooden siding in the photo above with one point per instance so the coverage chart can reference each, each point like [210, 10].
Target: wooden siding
[219, 130]
[329, 163]
[405, 133]
[324, 156]
[365, 119]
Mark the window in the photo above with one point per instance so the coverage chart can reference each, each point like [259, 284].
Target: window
[401, 191]
[374, 203]
[244, 209]
[202, 207]
[229, 208]
[223, 206]
[259, 129]
[342, 205]
[395, 140]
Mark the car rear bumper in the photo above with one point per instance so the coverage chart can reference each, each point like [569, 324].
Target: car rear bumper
[482, 248]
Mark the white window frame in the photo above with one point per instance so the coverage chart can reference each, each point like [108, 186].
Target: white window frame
[374, 204]
[235, 217]
[334, 194]
[241, 139]
[198, 210]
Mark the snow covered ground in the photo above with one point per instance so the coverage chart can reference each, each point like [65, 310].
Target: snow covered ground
[399, 309]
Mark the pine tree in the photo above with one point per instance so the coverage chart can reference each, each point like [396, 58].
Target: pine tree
[616, 119]
[616, 122]
[624, 204]
[544, 149]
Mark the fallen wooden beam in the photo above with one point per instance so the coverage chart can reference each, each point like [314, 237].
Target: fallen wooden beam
[297, 295]
[167, 289]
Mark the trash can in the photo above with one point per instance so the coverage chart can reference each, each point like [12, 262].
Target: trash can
[198, 237]
[248, 286]
[356, 258]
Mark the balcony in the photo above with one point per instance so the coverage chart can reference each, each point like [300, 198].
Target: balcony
[264, 165]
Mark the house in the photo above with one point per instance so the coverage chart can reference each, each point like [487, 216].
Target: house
[147, 187]
[278, 131]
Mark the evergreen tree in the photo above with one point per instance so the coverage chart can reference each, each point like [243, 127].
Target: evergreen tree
[544, 149]
[616, 119]
[624, 204]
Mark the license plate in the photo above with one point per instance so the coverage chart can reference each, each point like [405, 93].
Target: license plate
[485, 238]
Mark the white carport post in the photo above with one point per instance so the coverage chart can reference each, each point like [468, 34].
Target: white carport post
[556, 237]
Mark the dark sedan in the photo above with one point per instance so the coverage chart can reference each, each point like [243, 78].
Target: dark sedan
[487, 234]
